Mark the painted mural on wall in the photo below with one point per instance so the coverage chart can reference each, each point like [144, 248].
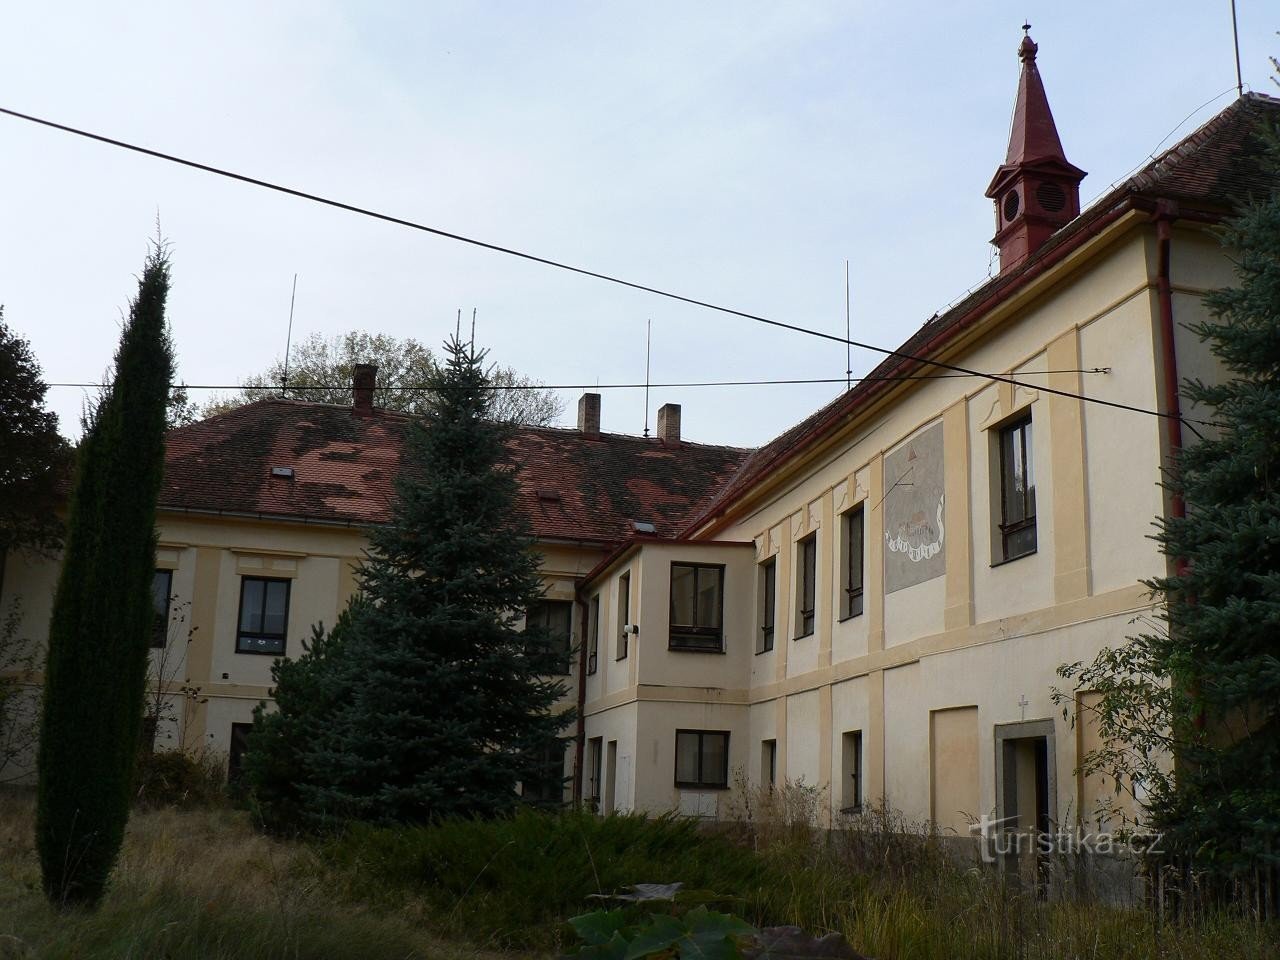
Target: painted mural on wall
[914, 536]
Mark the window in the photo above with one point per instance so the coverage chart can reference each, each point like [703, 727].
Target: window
[624, 614]
[556, 618]
[768, 604]
[769, 762]
[697, 607]
[264, 615]
[851, 781]
[702, 758]
[806, 584]
[595, 752]
[545, 783]
[161, 594]
[593, 631]
[1017, 491]
[239, 747]
[852, 528]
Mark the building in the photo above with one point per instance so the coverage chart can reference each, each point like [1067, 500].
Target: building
[875, 602]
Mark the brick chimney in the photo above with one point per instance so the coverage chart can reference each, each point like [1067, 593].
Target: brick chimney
[364, 378]
[669, 423]
[589, 414]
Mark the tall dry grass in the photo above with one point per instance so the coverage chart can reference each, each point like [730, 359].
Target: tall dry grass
[198, 884]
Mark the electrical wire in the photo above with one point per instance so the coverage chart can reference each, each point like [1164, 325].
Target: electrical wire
[582, 271]
[577, 386]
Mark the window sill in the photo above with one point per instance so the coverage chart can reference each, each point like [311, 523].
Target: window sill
[619, 659]
[701, 786]
[852, 616]
[1008, 560]
[683, 649]
[761, 653]
[805, 636]
[261, 653]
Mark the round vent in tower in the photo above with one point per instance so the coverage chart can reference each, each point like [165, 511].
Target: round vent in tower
[1011, 204]
[1051, 196]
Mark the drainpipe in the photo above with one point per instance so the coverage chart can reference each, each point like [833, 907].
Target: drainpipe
[1166, 213]
[580, 745]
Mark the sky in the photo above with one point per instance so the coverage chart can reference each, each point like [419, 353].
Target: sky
[737, 153]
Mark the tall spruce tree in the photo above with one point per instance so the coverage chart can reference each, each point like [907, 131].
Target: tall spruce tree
[1205, 690]
[427, 700]
[102, 611]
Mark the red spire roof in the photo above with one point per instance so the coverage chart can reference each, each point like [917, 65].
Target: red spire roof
[1033, 135]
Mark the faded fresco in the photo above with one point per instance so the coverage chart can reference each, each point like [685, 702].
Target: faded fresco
[914, 548]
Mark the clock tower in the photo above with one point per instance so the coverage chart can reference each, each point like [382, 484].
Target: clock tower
[1036, 190]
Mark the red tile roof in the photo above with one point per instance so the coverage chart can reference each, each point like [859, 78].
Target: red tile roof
[1209, 173]
[572, 486]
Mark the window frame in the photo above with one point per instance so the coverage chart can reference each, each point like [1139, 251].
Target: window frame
[283, 636]
[160, 627]
[546, 604]
[767, 579]
[852, 602]
[692, 638]
[702, 783]
[769, 774]
[593, 634]
[595, 773]
[1018, 430]
[859, 794]
[237, 748]
[624, 615]
[806, 585]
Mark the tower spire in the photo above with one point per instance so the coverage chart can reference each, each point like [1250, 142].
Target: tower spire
[1036, 190]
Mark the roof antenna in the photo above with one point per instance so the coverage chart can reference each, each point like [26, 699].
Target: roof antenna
[848, 342]
[473, 330]
[1235, 36]
[457, 327]
[288, 339]
[648, 329]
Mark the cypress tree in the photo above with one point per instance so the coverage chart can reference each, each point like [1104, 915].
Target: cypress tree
[427, 700]
[102, 612]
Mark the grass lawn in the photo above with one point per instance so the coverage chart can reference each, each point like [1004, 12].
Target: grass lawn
[201, 884]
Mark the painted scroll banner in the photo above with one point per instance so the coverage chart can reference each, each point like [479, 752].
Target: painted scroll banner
[914, 535]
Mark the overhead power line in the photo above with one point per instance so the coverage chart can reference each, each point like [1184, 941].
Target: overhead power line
[583, 271]
[275, 388]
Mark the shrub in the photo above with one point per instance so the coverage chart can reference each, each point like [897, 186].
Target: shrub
[176, 778]
[514, 881]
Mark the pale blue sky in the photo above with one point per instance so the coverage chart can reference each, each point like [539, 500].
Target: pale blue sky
[734, 152]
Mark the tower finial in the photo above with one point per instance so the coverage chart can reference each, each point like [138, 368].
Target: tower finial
[1027, 49]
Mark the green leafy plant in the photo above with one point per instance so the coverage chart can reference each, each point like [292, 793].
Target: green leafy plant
[698, 933]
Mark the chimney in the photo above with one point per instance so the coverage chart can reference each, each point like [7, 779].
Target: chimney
[363, 380]
[669, 423]
[589, 414]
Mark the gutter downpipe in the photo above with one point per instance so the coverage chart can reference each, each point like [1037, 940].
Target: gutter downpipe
[1166, 212]
[579, 748]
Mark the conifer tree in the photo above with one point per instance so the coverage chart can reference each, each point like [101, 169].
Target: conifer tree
[102, 612]
[1204, 691]
[428, 700]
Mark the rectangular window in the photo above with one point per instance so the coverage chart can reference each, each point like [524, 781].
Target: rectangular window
[769, 762]
[697, 607]
[702, 758]
[593, 633]
[852, 527]
[239, 747]
[806, 584]
[264, 615]
[767, 584]
[546, 783]
[624, 614]
[595, 752]
[556, 617]
[851, 781]
[1017, 491]
[161, 594]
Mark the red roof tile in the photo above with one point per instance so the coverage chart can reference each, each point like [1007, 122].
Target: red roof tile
[572, 486]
